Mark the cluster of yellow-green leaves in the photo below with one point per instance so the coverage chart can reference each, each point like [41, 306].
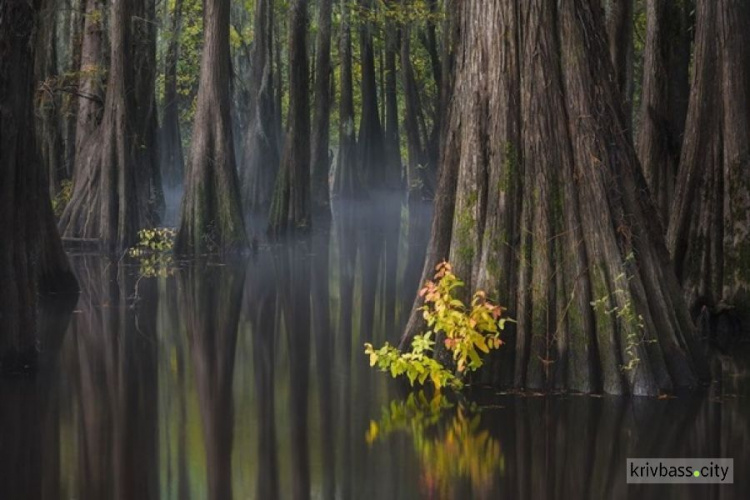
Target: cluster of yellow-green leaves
[468, 332]
[154, 251]
[60, 201]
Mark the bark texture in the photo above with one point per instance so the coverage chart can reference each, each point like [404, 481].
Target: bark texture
[709, 229]
[172, 159]
[664, 99]
[619, 15]
[541, 203]
[211, 214]
[290, 208]
[32, 261]
[111, 197]
[320, 160]
[345, 181]
[261, 162]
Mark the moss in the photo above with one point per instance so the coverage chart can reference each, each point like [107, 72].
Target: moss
[510, 167]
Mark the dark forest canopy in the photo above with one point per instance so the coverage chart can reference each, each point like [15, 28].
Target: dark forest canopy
[588, 161]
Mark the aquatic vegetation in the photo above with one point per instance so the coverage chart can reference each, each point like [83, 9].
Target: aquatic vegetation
[467, 332]
[154, 252]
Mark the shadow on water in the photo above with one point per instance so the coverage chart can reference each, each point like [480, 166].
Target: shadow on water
[248, 380]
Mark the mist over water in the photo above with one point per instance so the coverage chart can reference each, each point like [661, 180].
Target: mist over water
[247, 379]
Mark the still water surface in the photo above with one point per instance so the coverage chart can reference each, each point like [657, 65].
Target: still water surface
[247, 379]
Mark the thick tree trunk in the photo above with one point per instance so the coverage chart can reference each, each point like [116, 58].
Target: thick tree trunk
[320, 161]
[346, 183]
[32, 261]
[370, 142]
[108, 203]
[542, 203]
[211, 215]
[709, 229]
[261, 162]
[664, 98]
[620, 31]
[172, 159]
[71, 37]
[290, 207]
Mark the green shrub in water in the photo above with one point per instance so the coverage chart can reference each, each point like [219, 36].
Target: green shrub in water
[468, 333]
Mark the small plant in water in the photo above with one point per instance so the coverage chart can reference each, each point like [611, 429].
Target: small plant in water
[154, 251]
[468, 332]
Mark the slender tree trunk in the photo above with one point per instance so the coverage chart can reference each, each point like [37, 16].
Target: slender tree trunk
[72, 37]
[664, 100]
[541, 202]
[709, 228]
[211, 215]
[320, 161]
[620, 32]
[90, 77]
[32, 261]
[146, 120]
[391, 137]
[416, 170]
[48, 123]
[290, 208]
[370, 143]
[172, 159]
[261, 162]
[345, 181]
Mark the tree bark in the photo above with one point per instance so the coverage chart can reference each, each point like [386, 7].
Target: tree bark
[261, 162]
[211, 214]
[709, 228]
[620, 32]
[542, 204]
[109, 202]
[345, 181]
[172, 159]
[665, 95]
[48, 123]
[32, 261]
[290, 207]
[90, 76]
[370, 142]
[320, 161]
[391, 137]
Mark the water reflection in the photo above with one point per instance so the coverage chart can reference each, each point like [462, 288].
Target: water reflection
[248, 380]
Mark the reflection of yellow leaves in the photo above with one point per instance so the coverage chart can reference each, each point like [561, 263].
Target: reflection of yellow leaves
[449, 441]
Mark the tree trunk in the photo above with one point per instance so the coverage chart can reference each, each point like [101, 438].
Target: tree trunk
[90, 77]
[261, 161]
[664, 99]
[146, 120]
[290, 208]
[172, 159]
[211, 214]
[391, 138]
[49, 132]
[541, 203]
[620, 32]
[345, 181]
[709, 229]
[72, 37]
[416, 170]
[370, 142]
[320, 161]
[108, 203]
[32, 261]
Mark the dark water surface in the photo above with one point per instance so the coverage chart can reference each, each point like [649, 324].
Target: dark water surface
[248, 380]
